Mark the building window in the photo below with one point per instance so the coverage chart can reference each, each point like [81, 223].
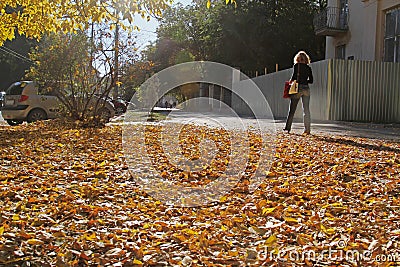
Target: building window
[392, 36]
[340, 52]
[344, 11]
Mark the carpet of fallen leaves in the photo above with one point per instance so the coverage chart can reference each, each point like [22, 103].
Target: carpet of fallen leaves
[67, 199]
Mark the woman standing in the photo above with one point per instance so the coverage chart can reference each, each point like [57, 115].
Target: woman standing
[302, 73]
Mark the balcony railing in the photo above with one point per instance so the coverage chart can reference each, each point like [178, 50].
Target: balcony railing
[331, 21]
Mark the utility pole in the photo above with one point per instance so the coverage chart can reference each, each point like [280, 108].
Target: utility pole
[116, 60]
[92, 46]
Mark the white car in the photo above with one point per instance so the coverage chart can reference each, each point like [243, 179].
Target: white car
[23, 103]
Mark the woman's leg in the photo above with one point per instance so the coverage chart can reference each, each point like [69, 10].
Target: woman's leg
[294, 100]
[305, 100]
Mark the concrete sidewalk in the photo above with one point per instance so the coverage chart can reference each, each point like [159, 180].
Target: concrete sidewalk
[389, 132]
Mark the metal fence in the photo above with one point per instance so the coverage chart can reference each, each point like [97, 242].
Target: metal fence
[347, 90]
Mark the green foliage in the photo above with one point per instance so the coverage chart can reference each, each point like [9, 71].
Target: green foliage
[183, 56]
[251, 35]
[133, 76]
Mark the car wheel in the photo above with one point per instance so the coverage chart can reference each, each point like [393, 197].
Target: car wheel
[36, 115]
[14, 122]
[104, 115]
[119, 110]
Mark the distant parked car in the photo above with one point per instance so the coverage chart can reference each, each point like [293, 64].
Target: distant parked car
[24, 103]
[120, 106]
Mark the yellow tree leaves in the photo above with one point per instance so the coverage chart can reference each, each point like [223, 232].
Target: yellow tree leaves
[33, 18]
[208, 4]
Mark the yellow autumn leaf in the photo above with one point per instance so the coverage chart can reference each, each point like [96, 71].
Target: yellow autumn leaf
[90, 237]
[138, 262]
[290, 219]
[291, 209]
[189, 232]
[303, 239]
[266, 211]
[180, 238]
[59, 234]
[326, 230]
[34, 242]
[233, 253]
[271, 240]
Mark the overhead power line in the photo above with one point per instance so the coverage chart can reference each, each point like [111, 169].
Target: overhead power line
[14, 53]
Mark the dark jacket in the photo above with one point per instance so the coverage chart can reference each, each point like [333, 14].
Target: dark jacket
[305, 74]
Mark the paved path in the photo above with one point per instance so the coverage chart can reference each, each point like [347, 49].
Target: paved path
[389, 132]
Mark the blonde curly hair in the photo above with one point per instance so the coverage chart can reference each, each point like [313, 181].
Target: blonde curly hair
[301, 57]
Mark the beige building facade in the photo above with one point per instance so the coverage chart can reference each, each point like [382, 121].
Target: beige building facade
[361, 29]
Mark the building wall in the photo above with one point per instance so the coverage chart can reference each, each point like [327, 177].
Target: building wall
[331, 41]
[364, 39]
[369, 23]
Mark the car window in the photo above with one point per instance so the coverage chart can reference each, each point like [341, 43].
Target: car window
[15, 89]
